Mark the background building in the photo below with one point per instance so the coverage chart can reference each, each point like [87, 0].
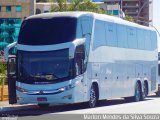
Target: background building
[12, 13]
[140, 10]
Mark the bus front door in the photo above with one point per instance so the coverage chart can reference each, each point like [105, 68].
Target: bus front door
[11, 74]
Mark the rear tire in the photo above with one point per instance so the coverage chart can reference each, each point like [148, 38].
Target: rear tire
[158, 93]
[138, 93]
[93, 96]
[145, 90]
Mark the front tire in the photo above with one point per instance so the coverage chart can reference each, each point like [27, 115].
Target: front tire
[93, 96]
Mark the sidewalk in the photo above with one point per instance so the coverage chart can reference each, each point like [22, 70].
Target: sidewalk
[5, 106]
[4, 103]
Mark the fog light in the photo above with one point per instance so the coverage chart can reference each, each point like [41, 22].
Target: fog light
[67, 97]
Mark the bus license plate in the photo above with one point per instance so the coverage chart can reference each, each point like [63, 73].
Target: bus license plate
[41, 99]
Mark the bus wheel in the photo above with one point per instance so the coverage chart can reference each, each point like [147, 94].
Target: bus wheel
[43, 105]
[145, 90]
[138, 93]
[158, 93]
[93, 96]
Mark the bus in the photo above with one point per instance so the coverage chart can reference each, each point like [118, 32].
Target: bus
[74, 57]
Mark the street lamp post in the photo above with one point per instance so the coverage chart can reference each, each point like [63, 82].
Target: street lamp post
[121, 9]
[121, 4]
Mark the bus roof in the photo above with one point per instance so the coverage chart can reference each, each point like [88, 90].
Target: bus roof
[60, 14]
[103, 17]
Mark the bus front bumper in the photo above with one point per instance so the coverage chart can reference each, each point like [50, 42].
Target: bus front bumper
[63, 95]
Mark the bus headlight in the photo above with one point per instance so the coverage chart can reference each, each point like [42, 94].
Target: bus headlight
[70, 86]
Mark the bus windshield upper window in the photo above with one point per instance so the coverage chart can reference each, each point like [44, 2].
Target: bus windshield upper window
[39, 31]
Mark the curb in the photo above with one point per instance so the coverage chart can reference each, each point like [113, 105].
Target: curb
[16, 107]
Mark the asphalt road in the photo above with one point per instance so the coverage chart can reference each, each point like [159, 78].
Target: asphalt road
[151, 105]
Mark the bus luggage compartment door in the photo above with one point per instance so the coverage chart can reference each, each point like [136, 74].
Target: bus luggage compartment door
[11, 74]
[153, 78]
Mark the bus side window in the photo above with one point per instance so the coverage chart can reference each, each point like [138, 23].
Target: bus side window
[132, 37]
[99, 34]
[111, 35]
[159, 69]
[153, 38]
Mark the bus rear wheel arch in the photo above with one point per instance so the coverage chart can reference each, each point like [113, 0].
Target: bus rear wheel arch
[94, 95]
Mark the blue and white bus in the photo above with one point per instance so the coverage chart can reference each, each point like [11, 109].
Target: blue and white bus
[73, 57]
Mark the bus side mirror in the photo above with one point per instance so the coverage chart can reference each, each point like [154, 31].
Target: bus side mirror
[11, 66]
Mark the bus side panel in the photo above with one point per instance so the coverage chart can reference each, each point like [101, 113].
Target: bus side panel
[153, 78]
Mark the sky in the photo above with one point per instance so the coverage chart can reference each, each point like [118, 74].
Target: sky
[156, 18]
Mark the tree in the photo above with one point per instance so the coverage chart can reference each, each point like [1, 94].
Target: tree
[76, 5]
[80, 5]
[61, 6]
[3, 68]
[129, 18]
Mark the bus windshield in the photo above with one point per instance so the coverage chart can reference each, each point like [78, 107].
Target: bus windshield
[47, 31]
[43, 66]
